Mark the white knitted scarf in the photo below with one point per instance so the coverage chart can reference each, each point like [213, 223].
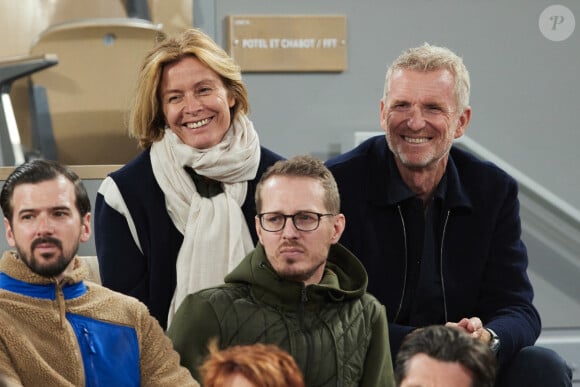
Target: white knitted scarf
[215, 233]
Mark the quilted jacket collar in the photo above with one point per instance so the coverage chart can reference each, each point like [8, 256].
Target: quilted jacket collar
[344, 278]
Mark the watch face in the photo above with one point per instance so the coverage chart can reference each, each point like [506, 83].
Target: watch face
[494, 343]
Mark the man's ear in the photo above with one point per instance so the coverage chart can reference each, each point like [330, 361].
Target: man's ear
[338, 227]
[9, 233]
[258, 228]
[383, 114]
[463, 122]
[86, 227]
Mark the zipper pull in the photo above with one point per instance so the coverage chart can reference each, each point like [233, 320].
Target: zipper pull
[89, 341]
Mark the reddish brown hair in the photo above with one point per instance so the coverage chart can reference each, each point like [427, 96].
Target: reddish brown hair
[264, 365]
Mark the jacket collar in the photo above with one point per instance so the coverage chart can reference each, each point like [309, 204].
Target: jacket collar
[389, 189]
[344, 278]
[16, 277]
[47, 292]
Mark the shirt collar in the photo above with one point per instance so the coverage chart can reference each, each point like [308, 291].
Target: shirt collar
[398, 190]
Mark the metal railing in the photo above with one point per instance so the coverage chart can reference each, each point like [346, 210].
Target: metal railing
[550, 225]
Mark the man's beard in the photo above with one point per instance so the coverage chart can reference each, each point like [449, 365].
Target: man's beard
[35, 265]
[300, 276]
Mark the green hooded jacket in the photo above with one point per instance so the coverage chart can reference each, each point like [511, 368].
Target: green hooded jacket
[336, 332]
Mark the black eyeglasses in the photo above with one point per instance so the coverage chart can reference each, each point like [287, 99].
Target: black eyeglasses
[303, 221]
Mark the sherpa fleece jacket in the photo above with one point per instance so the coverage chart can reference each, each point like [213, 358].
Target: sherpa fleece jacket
[77, 333]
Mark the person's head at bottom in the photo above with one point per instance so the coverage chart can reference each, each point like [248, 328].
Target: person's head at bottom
[438, 356]
[256, 365]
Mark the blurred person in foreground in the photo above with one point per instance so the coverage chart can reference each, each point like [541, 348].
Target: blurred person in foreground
[175, 219]
[438, 230]
[440, 356]
[299, 289]
[255, 365]
[56, 329]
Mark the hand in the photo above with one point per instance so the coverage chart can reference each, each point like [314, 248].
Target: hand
[469, 325]
[474, 327]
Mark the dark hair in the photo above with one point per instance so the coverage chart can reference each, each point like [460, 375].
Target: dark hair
[448, 344]
[37, 171]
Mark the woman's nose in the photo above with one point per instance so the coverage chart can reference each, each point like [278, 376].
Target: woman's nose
[192, 103]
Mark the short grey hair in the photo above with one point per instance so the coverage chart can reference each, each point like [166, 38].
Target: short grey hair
[428, 58]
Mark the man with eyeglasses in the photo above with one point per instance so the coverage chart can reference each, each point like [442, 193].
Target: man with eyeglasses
[298, 289]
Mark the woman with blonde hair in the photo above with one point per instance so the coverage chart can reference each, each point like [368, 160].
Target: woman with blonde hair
[175, 219]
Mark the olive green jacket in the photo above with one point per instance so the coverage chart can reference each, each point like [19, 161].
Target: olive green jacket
[336, 332]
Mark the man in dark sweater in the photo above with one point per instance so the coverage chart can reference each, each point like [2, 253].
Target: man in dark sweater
[438, 230]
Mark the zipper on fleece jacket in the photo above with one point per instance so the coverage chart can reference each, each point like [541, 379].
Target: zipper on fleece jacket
[60, 301]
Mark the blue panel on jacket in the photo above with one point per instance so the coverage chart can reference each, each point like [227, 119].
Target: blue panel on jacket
[110, 352]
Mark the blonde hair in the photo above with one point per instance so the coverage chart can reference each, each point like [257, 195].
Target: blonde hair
[264, 365]
[432, 58]
[146, 118]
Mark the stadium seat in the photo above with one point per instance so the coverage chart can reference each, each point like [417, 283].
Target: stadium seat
[22, 21]
[88, 92]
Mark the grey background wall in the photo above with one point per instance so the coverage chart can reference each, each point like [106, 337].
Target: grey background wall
[525, 87]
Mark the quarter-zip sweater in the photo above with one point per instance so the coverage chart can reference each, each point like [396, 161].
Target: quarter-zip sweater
[481, 259]
[77, 333]
[336, 332]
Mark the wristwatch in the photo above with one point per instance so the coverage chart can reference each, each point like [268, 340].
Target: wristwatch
[494, 343]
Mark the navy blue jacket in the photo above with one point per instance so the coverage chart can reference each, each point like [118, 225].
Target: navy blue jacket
[482, 257]
[149, 276]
